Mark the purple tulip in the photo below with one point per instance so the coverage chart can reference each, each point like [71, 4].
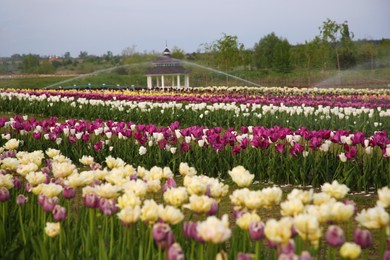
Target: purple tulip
[107, 206]
[46, 170]
[175, 252]
[244, 256]
[352, 153]
[213, 209]
[296, 149]
[335, 236]
[48, 204]
[160, 231]
[98, 146]
[21, 199]
[271, 244]
[72, 139]
[287, 256]
[363, 238]
[386, 255]
[185, 147]
[256, 230]
[280, 148]
[69, 192]
[4, 194]
[91, 201]
[95, 166]
[170, 183]
[37, 135]
[305, 255]
[17, 183]
[288, 248]
[163, 235]
[59, 213]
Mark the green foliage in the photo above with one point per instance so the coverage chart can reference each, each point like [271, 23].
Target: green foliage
[272, 52]
[30, 63]
[339, 37]
[228, 51]
[177, 53]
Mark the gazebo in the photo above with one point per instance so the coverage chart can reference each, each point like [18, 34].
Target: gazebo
[165, 70]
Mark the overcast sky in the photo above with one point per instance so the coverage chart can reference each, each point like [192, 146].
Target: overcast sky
[53, 27]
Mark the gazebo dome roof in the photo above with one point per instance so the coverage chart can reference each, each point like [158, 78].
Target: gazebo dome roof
[165, 64]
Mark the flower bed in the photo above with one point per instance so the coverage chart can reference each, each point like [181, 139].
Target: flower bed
[277, 154]
[51, 206]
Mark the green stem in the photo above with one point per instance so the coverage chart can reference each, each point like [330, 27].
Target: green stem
[201, 251]
[192, 249]
[257, 249]
[111, 236]
[21, 225]
[149, 244]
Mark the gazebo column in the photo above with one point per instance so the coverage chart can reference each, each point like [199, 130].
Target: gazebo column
[162, 81]
[158, 82]
[149, 82]
[178, 81]
[186, 81]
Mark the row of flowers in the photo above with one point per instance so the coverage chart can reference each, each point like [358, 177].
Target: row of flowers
[291, 90]
[370, 100]
[49, 206]
[276, 154]
[221, 114]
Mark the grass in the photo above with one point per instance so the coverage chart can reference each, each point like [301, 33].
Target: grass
[379, 77]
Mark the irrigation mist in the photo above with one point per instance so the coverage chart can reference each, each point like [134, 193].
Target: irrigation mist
[150, 64]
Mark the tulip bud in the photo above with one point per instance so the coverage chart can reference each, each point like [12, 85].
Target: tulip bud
[28, 187]
[363, 238]
[95, 166]
[386, 255]
[288, 248]
[213, 209]
[175, 252]
[271, 244]
[49, 204]
[170, 183]
[69, 192]
[59, 213]
[107, 206]
[21, 199]
[335, 236]
[163, 235]
[160, 231]
[244, 256]
[256, 230]
[17, 183]
[305, 255]
[4, 194]
[91, 201]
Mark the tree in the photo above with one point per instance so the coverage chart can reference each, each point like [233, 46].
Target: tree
[281, 59]
[46, 68]
[228, 51]
[272, 52]
[337, 35]
[67, 55]
[30, 63]
[83, 54]
[368, 53]
[177, 53]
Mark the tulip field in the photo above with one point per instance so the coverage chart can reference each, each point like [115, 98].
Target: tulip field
[200, 173]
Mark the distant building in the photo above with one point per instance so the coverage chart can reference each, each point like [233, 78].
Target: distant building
[167, 72]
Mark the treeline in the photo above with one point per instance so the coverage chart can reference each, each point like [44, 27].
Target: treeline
[333, 49]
